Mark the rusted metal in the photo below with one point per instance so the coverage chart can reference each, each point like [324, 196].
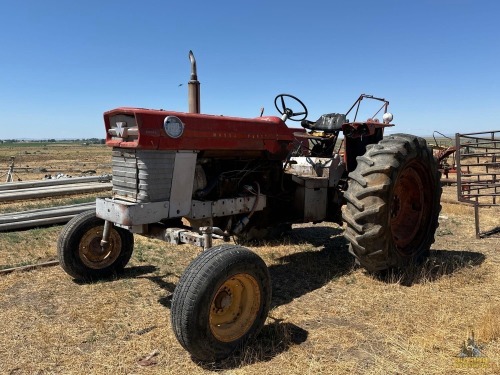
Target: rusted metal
[441, 155]
[93, 254]
[29, 267]
[207, 237]
[193, 87]
[478, 178]
[177, 236]
[106, 233]
[476, 220]
[357, 104]
[442, 151]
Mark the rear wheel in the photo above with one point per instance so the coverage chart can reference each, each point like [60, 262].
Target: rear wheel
[221, 300]
[393, 203]
[81, 254]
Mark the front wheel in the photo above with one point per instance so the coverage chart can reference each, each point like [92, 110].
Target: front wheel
[393, 203]
[221, 300]
[81, 254]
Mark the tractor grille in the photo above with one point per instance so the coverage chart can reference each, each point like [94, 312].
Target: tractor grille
[142, 176]
[123, 128]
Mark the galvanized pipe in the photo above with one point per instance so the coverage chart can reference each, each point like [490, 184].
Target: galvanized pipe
[53, 182]
[45, 213]
[35, 223]
[53, 191]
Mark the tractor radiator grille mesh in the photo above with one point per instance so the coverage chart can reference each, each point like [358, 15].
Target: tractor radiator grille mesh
[142, 176]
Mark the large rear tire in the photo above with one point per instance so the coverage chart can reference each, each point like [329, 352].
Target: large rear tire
[221, 300]
[80, 252]
[393, 203]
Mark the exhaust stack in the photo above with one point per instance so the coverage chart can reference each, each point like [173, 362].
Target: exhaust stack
[193, 87]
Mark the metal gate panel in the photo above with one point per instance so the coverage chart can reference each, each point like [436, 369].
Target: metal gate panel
[478, 172]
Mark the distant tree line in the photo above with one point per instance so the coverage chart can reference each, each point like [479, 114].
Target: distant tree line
[94, 141]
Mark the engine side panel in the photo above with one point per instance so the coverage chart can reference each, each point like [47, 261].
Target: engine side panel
[182, 186]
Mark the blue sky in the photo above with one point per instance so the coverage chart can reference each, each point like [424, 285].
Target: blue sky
[63, 63]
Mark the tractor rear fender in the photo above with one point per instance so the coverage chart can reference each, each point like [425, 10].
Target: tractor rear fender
[355, 145]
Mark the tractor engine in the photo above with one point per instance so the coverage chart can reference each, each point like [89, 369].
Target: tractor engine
[181, 173]
[213, 171]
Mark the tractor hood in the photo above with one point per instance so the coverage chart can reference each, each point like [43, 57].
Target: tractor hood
[168, 130]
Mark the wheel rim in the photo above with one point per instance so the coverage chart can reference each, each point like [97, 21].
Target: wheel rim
[408, 208]
[91, 252]
[234, 307]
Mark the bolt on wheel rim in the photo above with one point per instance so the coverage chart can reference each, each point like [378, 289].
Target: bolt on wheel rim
[234, 307]
[93, 255]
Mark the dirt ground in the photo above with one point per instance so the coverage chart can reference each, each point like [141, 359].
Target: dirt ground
[35, 160]
[327, 315]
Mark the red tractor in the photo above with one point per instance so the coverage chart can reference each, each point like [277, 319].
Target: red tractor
[189, 177]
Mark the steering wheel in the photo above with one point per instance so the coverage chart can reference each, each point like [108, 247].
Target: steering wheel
[288, 113]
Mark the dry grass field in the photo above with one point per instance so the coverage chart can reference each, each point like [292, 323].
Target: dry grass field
[327, 315]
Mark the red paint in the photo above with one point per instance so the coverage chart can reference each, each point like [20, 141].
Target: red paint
[206, 132]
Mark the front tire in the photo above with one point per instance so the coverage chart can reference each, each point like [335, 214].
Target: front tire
[221, 300]
[81, 255]
[393, 203]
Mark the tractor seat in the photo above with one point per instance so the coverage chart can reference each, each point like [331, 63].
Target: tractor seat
[328, 123]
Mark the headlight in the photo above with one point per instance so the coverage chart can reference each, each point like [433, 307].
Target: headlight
[173, 126]
[387, 118]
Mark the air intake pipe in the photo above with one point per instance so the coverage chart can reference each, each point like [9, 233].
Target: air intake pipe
[193, 87]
